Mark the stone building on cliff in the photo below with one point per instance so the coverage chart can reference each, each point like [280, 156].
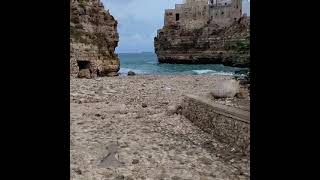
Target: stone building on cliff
[93, 39]
[196, 13]
[205, 32]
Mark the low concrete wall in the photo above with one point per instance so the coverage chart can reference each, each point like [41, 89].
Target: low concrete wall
[226, 124]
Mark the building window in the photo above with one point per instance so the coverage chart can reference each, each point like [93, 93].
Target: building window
[222, 13]
[170, 14]
[225, 3]
[237, 6]
[177, 17]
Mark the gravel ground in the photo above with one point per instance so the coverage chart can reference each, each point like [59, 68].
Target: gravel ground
[120, 129]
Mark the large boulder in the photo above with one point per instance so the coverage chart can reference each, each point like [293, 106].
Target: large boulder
[225, 89]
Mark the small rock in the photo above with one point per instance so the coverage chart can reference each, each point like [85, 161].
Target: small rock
[144, 105]
[97, 115]
[84, 73]
[173, 109]
[111, 74]
[205, 161]
[121, 177]
[176, 178]
[240, 95]
[135, 161]
[131, 73]
[77, 170]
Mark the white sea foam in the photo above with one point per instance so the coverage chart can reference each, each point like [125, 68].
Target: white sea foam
[208, 71]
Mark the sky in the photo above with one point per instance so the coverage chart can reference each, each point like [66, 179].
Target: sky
[139, 20]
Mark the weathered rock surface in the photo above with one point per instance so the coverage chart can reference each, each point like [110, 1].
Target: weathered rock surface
[210, 44]
[94, 37]
[225, 89]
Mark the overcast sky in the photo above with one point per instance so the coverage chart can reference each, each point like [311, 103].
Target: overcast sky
[139, 21]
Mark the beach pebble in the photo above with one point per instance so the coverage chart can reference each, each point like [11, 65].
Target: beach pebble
[135, 161]
[173, 109]
[77, 170]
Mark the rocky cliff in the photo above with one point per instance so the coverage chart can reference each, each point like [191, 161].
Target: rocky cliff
[210, 44]
[94, 37]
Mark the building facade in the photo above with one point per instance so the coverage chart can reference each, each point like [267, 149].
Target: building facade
[193, 14]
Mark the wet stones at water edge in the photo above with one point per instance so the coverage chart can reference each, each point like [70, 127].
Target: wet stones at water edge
[131, 73]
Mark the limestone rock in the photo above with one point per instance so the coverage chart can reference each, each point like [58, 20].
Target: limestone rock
[111, 74]
[173, 109]
[84, 73]
[225, 89]
[93, 37]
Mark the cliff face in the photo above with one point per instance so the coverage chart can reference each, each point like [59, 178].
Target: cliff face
[210, 44]
[94, 37]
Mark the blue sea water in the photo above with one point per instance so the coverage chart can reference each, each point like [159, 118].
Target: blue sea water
[147, 63]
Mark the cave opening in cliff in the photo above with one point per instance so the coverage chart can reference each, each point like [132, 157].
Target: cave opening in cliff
[84, 64]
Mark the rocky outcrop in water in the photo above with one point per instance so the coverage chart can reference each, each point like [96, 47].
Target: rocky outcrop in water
[210, 44]
[94, 37]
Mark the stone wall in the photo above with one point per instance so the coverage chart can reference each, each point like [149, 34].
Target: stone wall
[227, 124]
[94, 37]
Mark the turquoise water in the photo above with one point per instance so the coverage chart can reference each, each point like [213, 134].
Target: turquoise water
[147, 63]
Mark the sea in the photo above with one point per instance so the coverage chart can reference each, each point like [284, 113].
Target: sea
[146, 63]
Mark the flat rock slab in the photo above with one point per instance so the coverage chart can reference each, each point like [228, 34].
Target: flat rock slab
[225, 123]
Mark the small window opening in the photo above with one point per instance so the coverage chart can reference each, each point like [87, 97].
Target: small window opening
[177, 17]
